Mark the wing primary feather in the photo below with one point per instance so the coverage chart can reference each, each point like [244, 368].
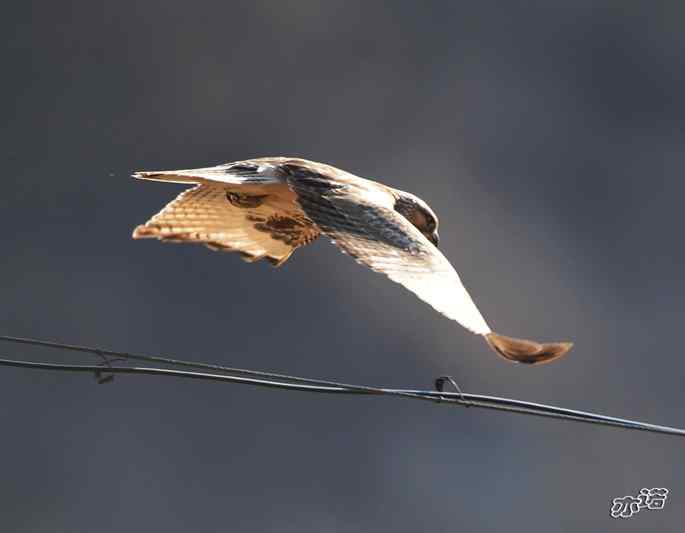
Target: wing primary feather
[238, 173]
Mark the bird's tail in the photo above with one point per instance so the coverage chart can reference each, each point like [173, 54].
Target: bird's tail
[525, 351]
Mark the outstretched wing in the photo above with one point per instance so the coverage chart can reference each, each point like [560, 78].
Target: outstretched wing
[361, 221]
[264, 222]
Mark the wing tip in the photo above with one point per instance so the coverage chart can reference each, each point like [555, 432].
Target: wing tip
[142, 232]
[526, 351]
[145, 174]
[170, 176]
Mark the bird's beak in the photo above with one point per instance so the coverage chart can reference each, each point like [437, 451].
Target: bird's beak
[435, 238]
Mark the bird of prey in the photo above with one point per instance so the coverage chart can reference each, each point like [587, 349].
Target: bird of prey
[269, 207]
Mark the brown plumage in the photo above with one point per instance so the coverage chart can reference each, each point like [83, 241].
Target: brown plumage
[267, 208]
[524, 351]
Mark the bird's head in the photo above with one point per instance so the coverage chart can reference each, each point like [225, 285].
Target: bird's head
[419, 214]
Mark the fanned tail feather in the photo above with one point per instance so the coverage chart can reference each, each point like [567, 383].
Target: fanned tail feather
[526, 351]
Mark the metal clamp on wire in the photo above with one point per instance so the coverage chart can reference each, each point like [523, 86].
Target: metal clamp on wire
[440, 386]
[101, 377]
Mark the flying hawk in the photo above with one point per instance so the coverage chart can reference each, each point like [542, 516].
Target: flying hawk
[267, 208]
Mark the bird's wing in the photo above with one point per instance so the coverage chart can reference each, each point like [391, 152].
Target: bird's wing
[262, 223]
[251, 173]
[363, 224]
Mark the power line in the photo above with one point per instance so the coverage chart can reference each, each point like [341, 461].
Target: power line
[104, 372]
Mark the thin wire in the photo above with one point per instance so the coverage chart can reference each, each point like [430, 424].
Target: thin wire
[189, 364]
[282, 381]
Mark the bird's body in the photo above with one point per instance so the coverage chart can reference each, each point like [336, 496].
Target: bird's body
[267, 208]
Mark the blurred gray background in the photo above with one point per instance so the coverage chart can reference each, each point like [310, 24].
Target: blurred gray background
[548, 137]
